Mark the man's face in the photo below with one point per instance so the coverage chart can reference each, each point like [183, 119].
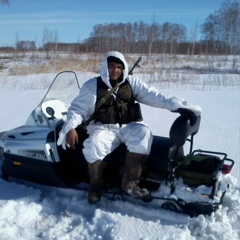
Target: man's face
[115, 70]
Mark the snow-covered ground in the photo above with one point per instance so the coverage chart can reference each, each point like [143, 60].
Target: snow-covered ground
[40, 212]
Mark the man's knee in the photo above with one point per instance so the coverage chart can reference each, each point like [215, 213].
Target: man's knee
[140, 141]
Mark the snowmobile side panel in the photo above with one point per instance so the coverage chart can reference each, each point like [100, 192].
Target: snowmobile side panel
[31, 170]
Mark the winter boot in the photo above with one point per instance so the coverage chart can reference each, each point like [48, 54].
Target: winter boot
[96, 181]
[131, 176]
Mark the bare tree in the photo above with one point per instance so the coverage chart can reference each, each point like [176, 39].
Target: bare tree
[230, 19]
[153, 34]
[49, 41]
[193, 39]
[209, 29]
[222, 29]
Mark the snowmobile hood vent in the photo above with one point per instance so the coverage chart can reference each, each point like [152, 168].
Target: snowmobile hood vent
[181, 129]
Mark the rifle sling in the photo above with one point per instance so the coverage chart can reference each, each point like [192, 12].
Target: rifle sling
[102, 101]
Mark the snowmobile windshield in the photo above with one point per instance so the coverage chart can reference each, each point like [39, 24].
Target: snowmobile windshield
[64, 87]
[56, 102]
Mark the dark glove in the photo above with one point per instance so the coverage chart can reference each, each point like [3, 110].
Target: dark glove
[188, 114]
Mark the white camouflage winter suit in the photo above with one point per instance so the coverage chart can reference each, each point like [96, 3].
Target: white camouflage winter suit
[104, 138]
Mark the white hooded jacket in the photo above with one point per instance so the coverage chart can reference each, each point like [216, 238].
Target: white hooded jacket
[84, 104]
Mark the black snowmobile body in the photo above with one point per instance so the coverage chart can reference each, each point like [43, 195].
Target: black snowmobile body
[30, 152]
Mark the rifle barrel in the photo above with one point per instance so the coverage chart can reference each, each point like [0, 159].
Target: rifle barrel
[136, 64]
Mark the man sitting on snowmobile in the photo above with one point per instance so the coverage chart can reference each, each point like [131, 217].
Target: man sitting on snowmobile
[118, 120]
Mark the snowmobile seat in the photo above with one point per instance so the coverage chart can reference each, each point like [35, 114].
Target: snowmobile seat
[166, 152]
[181, 129]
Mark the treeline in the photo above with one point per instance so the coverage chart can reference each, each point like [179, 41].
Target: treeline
[220, 35]
[137, 38]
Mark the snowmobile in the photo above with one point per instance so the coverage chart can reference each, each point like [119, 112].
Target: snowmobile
[193, 183]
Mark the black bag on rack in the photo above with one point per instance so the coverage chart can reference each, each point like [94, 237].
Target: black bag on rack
[199, 169]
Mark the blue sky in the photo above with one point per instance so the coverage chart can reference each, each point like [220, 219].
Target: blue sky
[73, 20]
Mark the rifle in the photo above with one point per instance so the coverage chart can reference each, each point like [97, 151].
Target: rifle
[136, 64]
